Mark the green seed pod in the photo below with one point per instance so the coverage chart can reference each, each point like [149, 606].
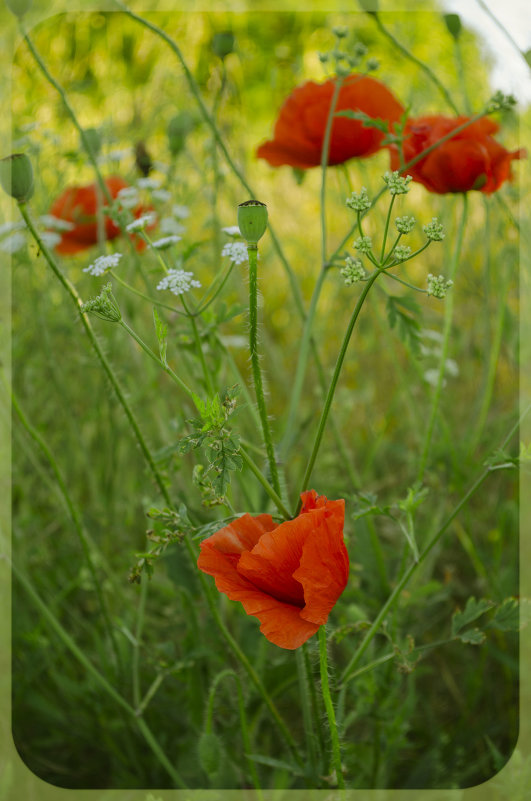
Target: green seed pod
[252, 221]
[92, 140]
[19, 7]
[223, 43]
[178, 129]
[16, 176]
[209, 749]
[453, 23]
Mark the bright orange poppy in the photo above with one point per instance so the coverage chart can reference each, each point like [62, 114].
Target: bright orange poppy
[301, 124]
[78, 205]
[472, 159]
[290, 575]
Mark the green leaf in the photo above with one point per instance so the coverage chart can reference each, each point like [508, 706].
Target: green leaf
[473, 610]
[275, 763]
[472, 636]
[453, 23]
[402, 313]
[511, 615]
[368, 122]
[162, 332]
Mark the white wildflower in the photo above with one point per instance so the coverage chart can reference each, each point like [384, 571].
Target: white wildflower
[118, 155]
[148, 183]
[140, 223]
[161, 194]
[168, 225]
[102, 264]
[232, 230]
[165, 242]
[55, 223]
[12, 243]
[178, 282]
[181, 212]
[128, 197]
[236, 251]
[50, 238]
[9, 227]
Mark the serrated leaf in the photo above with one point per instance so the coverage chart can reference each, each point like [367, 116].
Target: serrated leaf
[472, 611]
[368, 122]
[472, 636]
[402, 313]
[511, 615]
[162, 332]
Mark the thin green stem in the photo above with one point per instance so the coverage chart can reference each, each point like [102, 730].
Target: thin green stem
[386, 229]
[333, 383]
[503, 29]
[142, 295]
[330, 713]
[424, 67]
[324, 162]
[72, 292]
[70, 644]
[255, 470]
[395, 595]
[199, 348]
[255, 366]
[305, 702]
[137, 692]
[448, 318]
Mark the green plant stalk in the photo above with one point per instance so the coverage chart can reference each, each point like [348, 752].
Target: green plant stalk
[70, 644]
[240, 656]
[255, 365]
[137, 692]
[324, 163]
[333, 383]
[386, 229]
[424, 67]
[99, 353]
[199, 348]
[142, 295]
[255, 470]
[76, 520]
[448, 318]
[246, 741]
[305, 701]
[347, 673]
[503, 29]
[325, 689]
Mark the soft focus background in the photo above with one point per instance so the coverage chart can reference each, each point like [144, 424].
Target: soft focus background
[450, 720]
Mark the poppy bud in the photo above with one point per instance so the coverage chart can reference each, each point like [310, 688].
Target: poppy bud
[92, 141]
[252, 220]
[16, 176]
[19, 7]
[223, 43]
[453, 23]
[178, 129]
[143, 159]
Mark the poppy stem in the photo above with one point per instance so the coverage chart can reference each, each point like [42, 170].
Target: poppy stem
[324, 162]
[277, 500]
[333, 383]
[448, 317]
[255, 365]
[330, 713]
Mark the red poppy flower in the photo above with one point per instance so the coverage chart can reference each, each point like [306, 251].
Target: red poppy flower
[300, 127]
[290, 575]
[78, 205]
[472, 159]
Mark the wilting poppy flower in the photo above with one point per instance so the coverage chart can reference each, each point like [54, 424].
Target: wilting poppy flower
[301, 124]
[290, 575]
[78, 205]
[472, 159]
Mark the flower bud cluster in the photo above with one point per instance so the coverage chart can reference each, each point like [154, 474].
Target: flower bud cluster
[501, 102]
[359, 201]
[363, 244]
[396, 183]
[434, 230]
[404, 225]
[438, 286]
[104, 306]
[401, 252]
[353, 271]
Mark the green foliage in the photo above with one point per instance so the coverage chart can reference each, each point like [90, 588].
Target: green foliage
[403, 313]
